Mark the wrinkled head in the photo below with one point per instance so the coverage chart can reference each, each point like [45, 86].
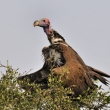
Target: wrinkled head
[44, 23]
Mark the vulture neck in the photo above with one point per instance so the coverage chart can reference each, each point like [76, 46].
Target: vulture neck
[54, 37]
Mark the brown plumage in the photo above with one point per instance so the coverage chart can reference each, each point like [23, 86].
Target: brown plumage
[79, 76]
[76, 74]
[58, 56]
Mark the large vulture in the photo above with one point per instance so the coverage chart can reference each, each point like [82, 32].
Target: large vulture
[60, 55]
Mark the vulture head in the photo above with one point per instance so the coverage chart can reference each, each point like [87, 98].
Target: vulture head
[53, 36]
[44, 23]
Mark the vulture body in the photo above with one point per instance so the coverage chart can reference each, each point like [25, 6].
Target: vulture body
[58, 56]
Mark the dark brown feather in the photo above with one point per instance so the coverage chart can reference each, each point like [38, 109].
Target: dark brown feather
[38, 77]
[98, 75]
[98, 71]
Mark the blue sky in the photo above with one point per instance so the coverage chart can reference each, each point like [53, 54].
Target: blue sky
[85, 24]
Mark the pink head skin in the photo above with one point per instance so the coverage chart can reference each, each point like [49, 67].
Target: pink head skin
[44, 23]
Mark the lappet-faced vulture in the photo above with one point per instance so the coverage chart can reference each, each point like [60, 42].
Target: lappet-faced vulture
[60, 55]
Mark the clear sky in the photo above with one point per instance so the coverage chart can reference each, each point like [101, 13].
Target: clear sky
[85, 24]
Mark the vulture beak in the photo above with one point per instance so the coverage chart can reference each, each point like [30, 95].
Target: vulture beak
[36, 23]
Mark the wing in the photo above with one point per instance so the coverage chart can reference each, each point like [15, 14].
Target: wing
[38, 77]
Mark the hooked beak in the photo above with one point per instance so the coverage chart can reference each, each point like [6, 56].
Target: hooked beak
[36, 23]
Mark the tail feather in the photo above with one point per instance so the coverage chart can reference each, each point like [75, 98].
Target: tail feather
[97, 74]
[98, 71]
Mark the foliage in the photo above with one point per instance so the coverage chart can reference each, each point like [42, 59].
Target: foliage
[13, 97]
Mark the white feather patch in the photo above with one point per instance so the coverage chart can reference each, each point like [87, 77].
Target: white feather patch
[55, 40]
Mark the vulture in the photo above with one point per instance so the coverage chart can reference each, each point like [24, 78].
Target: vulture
[58, 56]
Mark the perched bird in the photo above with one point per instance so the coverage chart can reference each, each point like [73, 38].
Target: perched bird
[58, 56]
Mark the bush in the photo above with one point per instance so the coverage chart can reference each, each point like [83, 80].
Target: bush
[13, 97]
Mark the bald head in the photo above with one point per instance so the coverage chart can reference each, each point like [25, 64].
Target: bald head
[44, 22]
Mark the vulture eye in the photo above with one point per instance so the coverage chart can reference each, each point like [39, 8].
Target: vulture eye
[43, 20]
